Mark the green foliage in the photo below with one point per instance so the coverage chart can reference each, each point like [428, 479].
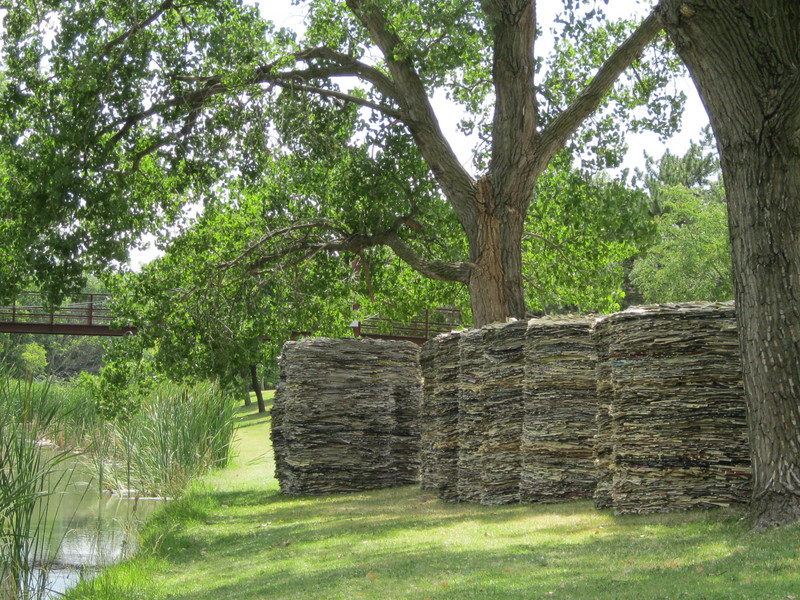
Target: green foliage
[68, 356]
[65, 356]
[31, 359]
[70, 196]
[579, 233]
[123, 382]
[691, 259]
[254, 268]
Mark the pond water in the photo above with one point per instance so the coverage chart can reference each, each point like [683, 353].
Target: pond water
[90, 528]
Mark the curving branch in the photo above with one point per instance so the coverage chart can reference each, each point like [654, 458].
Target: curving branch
[208, 87]
[433, 269]
[456, 182]
[301, 241]
[123, 37]
[564, 125]
[380, 80]
[280, 233]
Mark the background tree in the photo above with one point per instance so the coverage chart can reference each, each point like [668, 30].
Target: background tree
[134, 109]
[691, 257]
[580, 232]
[30, 359]
[207, 312]
[743, 58]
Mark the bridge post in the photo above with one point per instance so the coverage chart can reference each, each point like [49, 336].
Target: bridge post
[91, 307]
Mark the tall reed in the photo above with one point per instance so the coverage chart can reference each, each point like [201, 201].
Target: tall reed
[26, 474]
[71, 414]
[178, 434]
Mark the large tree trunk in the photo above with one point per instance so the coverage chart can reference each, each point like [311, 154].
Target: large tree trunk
[495, 284]
[744, 58]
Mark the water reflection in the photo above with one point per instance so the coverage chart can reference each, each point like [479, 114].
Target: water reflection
[90, 528]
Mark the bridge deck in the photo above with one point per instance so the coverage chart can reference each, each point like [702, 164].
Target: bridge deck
[88, 314]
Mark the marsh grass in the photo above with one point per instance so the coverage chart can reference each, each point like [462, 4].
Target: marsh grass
[178, 434]
[60, 409]
[28, 473]
[234, 536]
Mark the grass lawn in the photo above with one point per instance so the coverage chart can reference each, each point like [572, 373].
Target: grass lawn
[235, 536]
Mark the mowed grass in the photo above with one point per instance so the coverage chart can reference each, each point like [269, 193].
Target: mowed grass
[236, 536]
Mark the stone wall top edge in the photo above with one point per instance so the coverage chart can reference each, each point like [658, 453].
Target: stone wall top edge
[676, 310]
[356, 342]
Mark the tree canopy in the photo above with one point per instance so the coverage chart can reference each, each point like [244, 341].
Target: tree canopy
[116, 116]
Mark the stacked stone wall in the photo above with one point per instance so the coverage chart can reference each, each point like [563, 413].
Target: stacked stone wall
[643, 409]
[345, 416]
[676, 432]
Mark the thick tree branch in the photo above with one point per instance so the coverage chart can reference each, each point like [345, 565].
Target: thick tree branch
[433, 269]
[363, 71]
[323, 236]
[298, 79]
[562, 127]
[457, 184]
[516, 111]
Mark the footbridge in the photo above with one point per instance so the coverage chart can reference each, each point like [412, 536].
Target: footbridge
[85, 314]
[89, 314]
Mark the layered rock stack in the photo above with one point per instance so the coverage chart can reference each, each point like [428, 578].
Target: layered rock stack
[558, 435]
[500, 432]
[643, 409]
[678, 430]
[427, 361]
[346, 416]
[471, 414]
[442, 416]
[604, 440]
[276, 427]
[502, 399]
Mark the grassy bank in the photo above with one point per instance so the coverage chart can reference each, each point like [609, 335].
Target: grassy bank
[235, 536]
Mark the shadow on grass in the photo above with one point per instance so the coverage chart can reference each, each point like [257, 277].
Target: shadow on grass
[378, 560]
[404, 543]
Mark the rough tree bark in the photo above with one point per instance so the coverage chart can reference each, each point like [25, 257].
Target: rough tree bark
[744, 58]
